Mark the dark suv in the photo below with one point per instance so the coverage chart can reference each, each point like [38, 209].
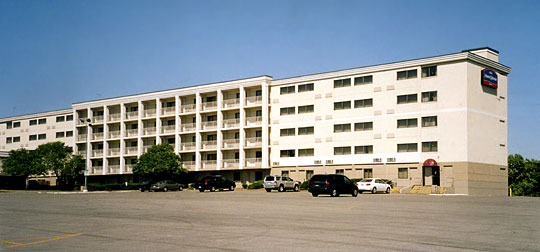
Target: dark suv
[332, 184]
[214, 183]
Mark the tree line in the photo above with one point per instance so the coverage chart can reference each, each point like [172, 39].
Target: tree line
[523, 176]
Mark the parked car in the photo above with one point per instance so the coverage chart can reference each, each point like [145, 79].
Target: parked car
[166, 185]
[332, 184]
[145, 185]
[374, 185]
[214, 183]
[280, 183]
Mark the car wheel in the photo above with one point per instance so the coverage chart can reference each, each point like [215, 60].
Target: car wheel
[212, 189]
[231, 188]
[355, 192]
[314, 194]
[281, 188]
[334, 193]
[165, 189]
[374, 190]
[201, 190]
[296, 188]
[268, 190]
[388, 190]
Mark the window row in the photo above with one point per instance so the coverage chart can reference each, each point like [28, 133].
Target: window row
[301, 88]
[357, 81]
[301, 131]
[62, 134]
[427, 121]
[413, 98]
[362, 149]
[428, 71]
[301, 110]
[364, 103]
[40, 121]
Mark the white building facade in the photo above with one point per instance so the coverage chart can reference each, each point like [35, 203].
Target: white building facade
[428, 121]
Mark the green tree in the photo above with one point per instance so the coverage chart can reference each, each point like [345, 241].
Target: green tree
[56, 157]
[158, 163]
[523, 176]
[22, 162]
[72, 172]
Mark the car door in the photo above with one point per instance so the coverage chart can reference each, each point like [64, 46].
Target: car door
[348, 185]
[380, 185]
[289, 184]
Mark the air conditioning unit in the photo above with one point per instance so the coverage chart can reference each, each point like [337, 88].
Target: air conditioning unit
[392, 159]
[329, 161]
[275, 163]
[377, 160]
[317, 162]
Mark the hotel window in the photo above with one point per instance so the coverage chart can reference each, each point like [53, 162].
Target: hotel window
[409, 74]
[286, 90]
[69, 133]
[211, 118]
[408, 147]
[340, 171]
[365, 149]
[60, 118]
[346, 150]
[429, 121]
[16, 139]
[305, 131]
[410, 98]
[305, 109]
[211, 138]
[363, 103]
[363, 80]
[257, 93]
[363, 126]
[342, 128]
[309, 174]
[285, 174]
[286, 111]
[429, 96]
[32, 137]
[42, 136]
[403, 173]
[9, 140]
[9, 125]
[407, 123]
[33, 122]
[306, 152]
[16, 124]
[429, 71]
[342, 83]
[287, 132]
[97, 113]
[429, 146]
[342, 105]
[69, 118]
[305, 87]
[42, 121]
[211, 99]
[60, 134]
[286, 153]
[368, 173]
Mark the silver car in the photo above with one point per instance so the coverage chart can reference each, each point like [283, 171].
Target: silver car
[280, 183]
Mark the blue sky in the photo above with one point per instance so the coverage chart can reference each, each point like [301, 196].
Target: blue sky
[55, 53]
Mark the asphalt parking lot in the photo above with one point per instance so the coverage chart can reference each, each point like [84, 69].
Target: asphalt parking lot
[260, 221]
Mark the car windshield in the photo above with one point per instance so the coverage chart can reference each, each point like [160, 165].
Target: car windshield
[269, 178]
[366, 180]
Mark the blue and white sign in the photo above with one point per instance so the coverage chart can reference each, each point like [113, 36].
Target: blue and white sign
[489, 78]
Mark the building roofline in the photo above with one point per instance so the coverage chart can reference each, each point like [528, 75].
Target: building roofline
[480, 48]
[36, 115]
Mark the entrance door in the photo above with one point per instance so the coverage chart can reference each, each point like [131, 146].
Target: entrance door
[436, 175]
[431, 176]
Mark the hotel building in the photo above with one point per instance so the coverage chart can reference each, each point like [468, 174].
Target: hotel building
[432, 121]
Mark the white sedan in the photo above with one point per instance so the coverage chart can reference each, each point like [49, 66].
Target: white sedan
[374, 185]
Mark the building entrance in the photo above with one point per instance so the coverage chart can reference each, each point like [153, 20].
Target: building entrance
[431, 175]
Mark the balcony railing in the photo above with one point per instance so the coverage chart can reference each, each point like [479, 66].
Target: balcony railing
[230, 123]
[82, 153]
[149, 112]
[149, 131]
[113, 151]
[82, 137]
[167, 110]
[231, 163]
[187, 108]
[231, 143]
[187, 127]
[208, 145]
[128, 168]
[253, 142]
[253, 162]
[114, 117]
[209, 105]
[132, 114]
[97, 119]
[189, 165]
[114, 134]
[96, 170]
[145, 148]
[209, 125]
[253, 120]
[97, 136]
[187, 146]
[231, 103]
[209, 164]
[97, 153]
[130, 150]
[115, 169]
[253, 100]
[132, 132]
[168, 129]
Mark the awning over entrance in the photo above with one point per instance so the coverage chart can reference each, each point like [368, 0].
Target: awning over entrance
[430, 162]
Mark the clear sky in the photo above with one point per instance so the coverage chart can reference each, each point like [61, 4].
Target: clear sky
[55, 53]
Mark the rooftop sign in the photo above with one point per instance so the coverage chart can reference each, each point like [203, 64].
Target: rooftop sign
[489, 78]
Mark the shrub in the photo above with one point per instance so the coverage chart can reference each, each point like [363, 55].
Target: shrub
[245, 186]
[304, 185]
[256, 185]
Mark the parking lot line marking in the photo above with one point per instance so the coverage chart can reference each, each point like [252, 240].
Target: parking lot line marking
[46, 239]
[353, 206]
